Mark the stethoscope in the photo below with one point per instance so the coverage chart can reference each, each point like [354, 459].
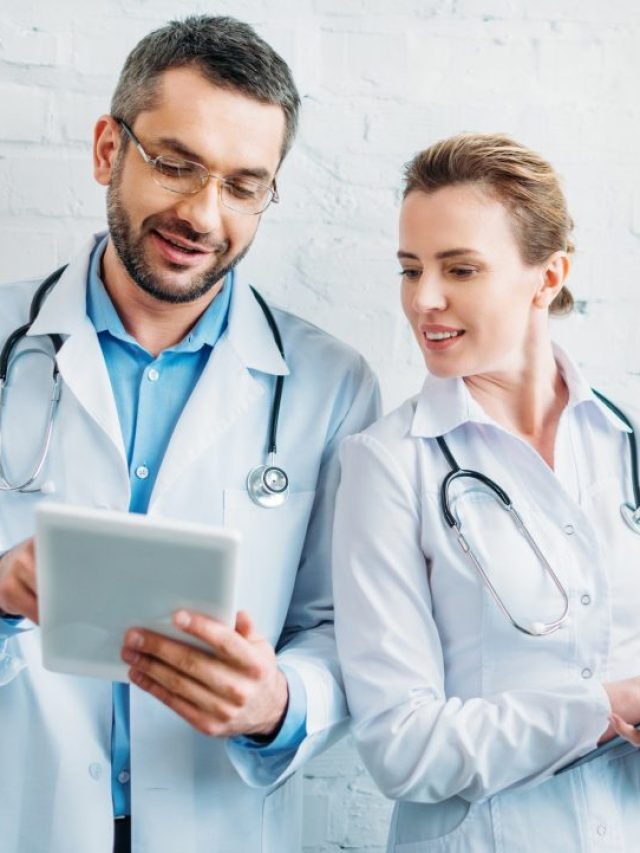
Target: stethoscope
[630, 515]
[267, 484]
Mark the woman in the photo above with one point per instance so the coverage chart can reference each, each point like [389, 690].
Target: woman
[468, 690]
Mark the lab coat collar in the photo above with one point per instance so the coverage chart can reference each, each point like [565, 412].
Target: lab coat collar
[64, 312]
[249, 332]
[444, 404]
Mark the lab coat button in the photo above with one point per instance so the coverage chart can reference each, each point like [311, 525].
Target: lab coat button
[569, 529]
[153, 375]
[586, 672]
[142, 472]
[601, 829]
[123, 777]
[586, 599]
[95, 771]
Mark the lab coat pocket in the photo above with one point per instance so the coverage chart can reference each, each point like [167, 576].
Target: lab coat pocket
[427, 827]
[272, 541]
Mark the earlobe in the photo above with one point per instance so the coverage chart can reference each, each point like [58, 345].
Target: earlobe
[106, 141]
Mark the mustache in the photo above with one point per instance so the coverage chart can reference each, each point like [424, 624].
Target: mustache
[179, 228]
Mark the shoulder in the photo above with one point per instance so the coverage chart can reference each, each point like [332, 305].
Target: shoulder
[389, 438]
[15, 299]
[309, 348]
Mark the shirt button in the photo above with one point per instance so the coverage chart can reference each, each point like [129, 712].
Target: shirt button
[569, 529]
[601, 829]
[586, 672]
[95, 771]
[142, 472]
[123, 777]
[586, 599]
[153, 375]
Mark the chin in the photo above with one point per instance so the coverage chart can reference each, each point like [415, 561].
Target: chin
[441, 369]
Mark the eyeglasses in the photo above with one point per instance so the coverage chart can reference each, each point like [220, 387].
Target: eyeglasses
[237, 192]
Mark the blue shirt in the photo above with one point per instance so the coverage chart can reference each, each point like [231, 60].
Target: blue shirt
[150, 394]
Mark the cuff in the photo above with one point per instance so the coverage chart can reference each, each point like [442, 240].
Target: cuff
[294, 726]
[10, 626]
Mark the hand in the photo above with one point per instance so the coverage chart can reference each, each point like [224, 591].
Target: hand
[18, 581]
[237, 689]
[625, 730]
[624, 697]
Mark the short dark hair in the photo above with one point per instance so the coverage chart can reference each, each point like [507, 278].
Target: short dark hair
[227, 52]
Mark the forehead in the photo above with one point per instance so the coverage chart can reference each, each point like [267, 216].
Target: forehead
[464, 215]
[219, 124]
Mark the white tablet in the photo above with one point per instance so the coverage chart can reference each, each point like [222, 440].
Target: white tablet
[100, 572]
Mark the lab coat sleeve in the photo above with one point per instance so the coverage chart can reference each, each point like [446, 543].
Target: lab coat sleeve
[418, 743]
[307, 644]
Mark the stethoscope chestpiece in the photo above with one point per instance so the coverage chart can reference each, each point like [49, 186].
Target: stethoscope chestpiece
[631, 517]
[268, 486]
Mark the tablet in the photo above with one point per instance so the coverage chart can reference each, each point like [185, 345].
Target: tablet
[100, 572]
[597, 753]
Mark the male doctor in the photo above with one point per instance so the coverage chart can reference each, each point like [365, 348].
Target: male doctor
[168, 367]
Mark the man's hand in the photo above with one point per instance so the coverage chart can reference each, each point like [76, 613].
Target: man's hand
[18, 581]
[237, 689]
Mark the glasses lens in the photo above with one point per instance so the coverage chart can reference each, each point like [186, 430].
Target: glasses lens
[180, 176]
[245, 195]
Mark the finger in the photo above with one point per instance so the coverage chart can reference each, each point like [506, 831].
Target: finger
[191, 674]
[625, 730]
[225, 642]
[207, 723]
[244, 625]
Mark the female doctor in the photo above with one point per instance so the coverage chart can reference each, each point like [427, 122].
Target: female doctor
[488, 624]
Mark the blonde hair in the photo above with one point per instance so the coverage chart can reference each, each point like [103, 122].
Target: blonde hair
[518, 177]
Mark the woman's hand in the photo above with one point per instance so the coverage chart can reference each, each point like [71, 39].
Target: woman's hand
[624, 697]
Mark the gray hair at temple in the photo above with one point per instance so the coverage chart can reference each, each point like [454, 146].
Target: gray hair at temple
[227, 52]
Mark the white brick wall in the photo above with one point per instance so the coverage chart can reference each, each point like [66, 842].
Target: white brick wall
[380, 79]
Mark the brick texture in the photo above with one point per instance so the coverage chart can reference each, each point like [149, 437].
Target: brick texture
[379, 81]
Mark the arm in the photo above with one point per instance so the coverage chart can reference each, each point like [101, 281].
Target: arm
[307, 644]
[418, 742]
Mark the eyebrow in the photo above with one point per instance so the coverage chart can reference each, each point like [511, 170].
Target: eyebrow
[449, 253]
[259, 173]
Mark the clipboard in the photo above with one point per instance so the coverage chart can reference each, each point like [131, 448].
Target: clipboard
[100, 572]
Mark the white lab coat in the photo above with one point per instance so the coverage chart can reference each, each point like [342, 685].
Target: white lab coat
[190, 793]
[458, 716]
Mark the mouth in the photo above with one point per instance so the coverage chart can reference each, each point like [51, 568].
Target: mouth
[438, 338]
[177, 250]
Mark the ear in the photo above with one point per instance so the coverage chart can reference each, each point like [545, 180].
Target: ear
[554, 273]
[106, 142]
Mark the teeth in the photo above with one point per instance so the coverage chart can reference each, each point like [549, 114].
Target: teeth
[179, 246]
[441, 336]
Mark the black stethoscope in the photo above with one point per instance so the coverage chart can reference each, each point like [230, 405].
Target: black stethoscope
[630, 515]
[267, 484]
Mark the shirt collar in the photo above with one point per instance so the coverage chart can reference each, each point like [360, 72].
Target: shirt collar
[445, 404]
[102, 313]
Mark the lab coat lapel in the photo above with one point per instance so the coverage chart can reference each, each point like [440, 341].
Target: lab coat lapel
[80, 358]
[226, 390]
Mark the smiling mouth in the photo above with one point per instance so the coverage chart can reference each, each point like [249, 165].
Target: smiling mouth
[442, 336]
[176, 244]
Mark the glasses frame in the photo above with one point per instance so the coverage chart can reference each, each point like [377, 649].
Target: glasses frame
[273, 196]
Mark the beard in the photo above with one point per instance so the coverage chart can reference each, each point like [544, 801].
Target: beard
[130, 249]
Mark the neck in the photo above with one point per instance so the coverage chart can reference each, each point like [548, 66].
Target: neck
[155, 325]
[528, 397]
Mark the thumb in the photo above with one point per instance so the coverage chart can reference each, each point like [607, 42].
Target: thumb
[244, 625]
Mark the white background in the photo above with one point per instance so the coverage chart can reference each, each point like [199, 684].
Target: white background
[379, 79]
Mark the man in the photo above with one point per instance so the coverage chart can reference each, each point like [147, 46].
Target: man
[168, 367]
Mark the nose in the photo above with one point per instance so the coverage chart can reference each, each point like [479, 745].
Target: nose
[203, 210]
[429, 294]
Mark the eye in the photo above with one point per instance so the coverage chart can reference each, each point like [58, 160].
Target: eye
[176, 168]
[243, 188]
[410, 274]
[462, 272]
